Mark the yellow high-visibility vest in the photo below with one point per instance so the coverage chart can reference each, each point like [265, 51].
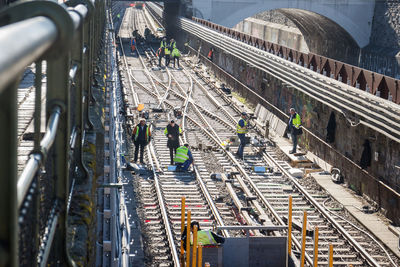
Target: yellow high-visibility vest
[241, 130]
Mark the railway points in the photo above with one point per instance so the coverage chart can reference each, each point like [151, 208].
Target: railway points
[83, 201]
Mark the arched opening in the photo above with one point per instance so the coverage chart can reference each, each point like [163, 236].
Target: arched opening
[304, 31]
[366, 155]
[331, 128]
[383, 89]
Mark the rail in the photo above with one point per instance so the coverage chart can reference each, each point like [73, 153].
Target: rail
[33, 209]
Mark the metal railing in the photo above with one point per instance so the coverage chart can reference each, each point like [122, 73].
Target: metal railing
[33, 207]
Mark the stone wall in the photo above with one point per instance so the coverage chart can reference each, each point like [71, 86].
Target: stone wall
[386, 26]
[275, 33]
[344, 152]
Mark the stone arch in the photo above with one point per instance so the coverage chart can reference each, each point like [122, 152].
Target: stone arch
[351, 18]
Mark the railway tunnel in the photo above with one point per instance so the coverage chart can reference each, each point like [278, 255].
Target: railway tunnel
[75, 194]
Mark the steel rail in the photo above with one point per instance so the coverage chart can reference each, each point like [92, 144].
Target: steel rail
[257, 58]
[164, 213]
[203, 187]
[323, 211]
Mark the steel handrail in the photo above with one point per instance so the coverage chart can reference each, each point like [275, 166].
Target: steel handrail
[20, 46]
[37, 158]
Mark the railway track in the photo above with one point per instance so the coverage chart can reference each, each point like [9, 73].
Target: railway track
[251, 198]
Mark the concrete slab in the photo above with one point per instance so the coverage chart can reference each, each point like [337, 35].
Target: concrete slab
[373, 222]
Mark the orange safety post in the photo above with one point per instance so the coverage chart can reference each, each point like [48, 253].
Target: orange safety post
[316, 246]
[189, 213]
[194, 250]
[290, 226]
[200, 256]
[182, 228]
[330, 255]
[303, 240]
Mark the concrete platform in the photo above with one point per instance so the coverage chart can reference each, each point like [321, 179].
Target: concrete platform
[375, 223]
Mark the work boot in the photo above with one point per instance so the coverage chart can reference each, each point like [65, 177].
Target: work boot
[292, 152]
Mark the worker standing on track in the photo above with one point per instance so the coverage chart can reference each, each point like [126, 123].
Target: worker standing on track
[294, 128]
[176, 54]
[147, 32]
[241, 130]
[210, 55]
[133, 45]
[167, 56]
[141, 137]
[161, 50]
[172, 131]
[183, 158]
[172, 44]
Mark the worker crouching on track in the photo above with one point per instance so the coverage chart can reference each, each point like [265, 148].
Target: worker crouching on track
[204, 237]
[241, 130]
[141, 137]
[172, 131]
[183, 158]
[176, 54]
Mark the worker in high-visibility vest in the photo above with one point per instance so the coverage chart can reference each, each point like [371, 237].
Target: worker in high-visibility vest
[294, 128]
[183, 158]
[161, 50]
[176, 54]
[241, 130]
[172, 44]
[167, 56]
[141, 136]
[204, 237]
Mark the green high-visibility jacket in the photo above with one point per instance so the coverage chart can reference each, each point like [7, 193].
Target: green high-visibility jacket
[176, 53]
[241, 130]
[296, 121]
[181, 154]
[204, 237]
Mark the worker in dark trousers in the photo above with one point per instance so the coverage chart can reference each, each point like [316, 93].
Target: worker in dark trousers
[141, 137]
[176, 55]
[172, 44]
[241, 130]
[210, 55]
[167, 56]
[172, 132]
[294, 128]
[161, 51]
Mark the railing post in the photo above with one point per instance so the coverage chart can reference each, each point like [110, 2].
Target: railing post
[183, 201]
[303, 239]
[58, 94]
[290, 226]
[316, 247]
[188, 222]
[77, 107]
[8, 177]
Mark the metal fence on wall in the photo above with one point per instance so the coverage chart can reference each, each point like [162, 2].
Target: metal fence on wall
[34, 206]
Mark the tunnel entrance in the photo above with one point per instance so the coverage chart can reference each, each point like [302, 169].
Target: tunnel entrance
[304, 31]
